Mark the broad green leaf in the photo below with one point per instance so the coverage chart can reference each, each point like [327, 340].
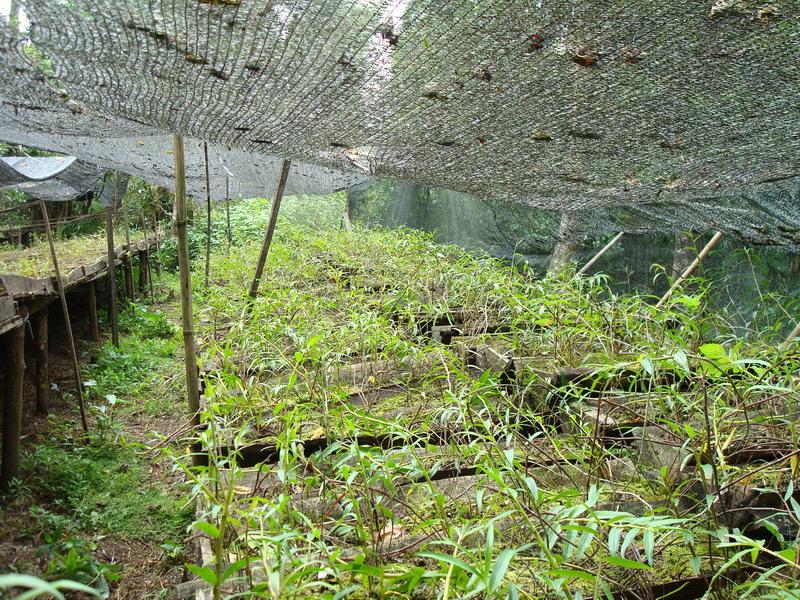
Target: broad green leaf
[613, 541]
[572, 574]
[207, 528]
[232, 568]
[500, 568]
[681, 360]
[204, 573]
[626, 563]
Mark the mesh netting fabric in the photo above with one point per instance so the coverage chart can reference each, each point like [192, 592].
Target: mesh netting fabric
[54, 179]
[562, 104]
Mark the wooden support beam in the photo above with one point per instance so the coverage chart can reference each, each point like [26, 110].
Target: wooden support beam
[40, 346]
[12, 405]
[76, 370]
[94, 324]
[273, 219]
[597, 256]
[111, 261]
[690, 269]
[187, 319]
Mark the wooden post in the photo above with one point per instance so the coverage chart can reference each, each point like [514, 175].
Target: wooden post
[40, 345]
[94, 325]
[690, 269]
[208, 214]
[12, 406]
[76, 370]
[273, 219]
[228, 209]
[597, 256]
[111, 270]
[187, 319]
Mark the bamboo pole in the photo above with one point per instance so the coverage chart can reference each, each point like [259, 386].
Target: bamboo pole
[795, 333]
[346, 215]
[273, 219]
[12, 406]
[94, 325]
[690, 269]
[111, 270]
[76, 370]
[158, 243]
[40, 347]
[146, 255]
[208, 213]
[597, 256]
[190, 358]
[228, 209]
[126, 260]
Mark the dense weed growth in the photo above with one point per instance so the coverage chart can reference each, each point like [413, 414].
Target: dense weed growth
[393, 417]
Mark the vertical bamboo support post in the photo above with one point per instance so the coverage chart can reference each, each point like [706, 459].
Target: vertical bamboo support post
[148, 270]
[597, 256]
[111, 270]
[126, 259]
[273, 219]
[142, 272]
[40, 345]
[192, 380]
[795, 333]
[76, 370]
[208, 213]
[158, 243]
[228, 210]
[12, 406]
[690, 269]
[346, 215]
[94, 325]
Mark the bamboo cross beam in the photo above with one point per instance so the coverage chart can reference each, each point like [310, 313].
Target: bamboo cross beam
[273, 219]
[76, 370]
[690, 269]
[187, 319]
[597, 256]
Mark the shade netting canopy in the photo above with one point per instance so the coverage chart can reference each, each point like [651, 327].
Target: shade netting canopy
[50, 178]
[563, 104]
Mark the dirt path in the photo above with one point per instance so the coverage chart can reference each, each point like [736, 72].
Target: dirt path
[110, 508]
